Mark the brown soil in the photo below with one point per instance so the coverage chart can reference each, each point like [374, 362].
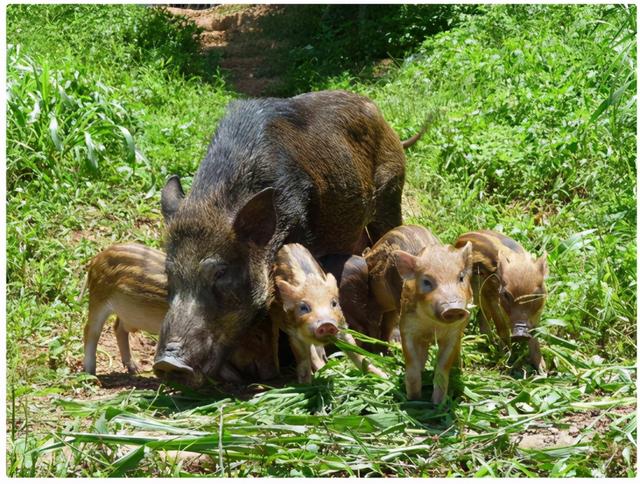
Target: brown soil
[234, 32]
[572, 429]
[111, 374]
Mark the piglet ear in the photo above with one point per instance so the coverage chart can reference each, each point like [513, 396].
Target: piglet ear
[288, 294]
[543, 267]
[256, 221]
[467, 255]
[330, 279]
[405, 263]
[171, 197]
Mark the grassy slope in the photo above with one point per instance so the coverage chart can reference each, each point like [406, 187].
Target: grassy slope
[518, 148]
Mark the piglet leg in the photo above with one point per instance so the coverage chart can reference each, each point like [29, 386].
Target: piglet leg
[122, 337]
[415, 356]
[318, 357]
[447, 356]
[302, 354]
[535, 357]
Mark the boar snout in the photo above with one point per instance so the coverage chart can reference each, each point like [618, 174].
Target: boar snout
[452, 312]
[520, 331]
[326, 329]
[169, 365]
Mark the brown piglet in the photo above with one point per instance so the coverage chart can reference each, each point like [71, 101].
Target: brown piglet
[307, 309]
[508, 284]
[424, 287]
[129, 280]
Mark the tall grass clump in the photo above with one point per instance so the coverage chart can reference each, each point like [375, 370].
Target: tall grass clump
[54, 115]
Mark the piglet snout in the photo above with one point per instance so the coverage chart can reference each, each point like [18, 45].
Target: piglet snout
[326, 329]
[520, 331]
[453, 312]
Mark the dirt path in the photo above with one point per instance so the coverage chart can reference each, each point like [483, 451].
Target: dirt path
[234, 32]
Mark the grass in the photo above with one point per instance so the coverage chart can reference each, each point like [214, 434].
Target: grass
[536, 137]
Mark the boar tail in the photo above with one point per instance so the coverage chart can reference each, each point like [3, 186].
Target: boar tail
[425, 126]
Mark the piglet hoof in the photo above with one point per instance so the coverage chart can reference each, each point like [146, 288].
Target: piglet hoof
[541, 367]
[305, 379]
[395, 337]
[438, 397]
[132, 368]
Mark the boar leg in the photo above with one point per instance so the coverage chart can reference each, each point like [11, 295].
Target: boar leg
[535, 356]
[122, 337]
[415, 356]
[359, 360]
[98, 314]
[302, 354]
[447, 355]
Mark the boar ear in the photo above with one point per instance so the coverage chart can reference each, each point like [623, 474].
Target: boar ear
[171, 197]
[467, 255]
[405, 263]
[256, 221]
[288, 293]
[542, 265]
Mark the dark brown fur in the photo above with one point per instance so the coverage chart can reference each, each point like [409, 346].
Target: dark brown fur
[320, 169]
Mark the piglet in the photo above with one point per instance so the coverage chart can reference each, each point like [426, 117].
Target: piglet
[307, 309]
[508, 284]
[424, 287]
[127, 280]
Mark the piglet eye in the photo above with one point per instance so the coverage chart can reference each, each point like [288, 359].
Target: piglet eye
[334, 303]
[304, 308]
[426, 285]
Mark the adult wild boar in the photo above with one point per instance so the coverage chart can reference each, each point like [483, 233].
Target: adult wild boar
[315, 169]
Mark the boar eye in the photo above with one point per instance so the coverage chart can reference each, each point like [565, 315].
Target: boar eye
[304, 308]
[334, 303]
[426, 285]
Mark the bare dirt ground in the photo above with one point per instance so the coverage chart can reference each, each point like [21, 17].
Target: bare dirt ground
[234, 32]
